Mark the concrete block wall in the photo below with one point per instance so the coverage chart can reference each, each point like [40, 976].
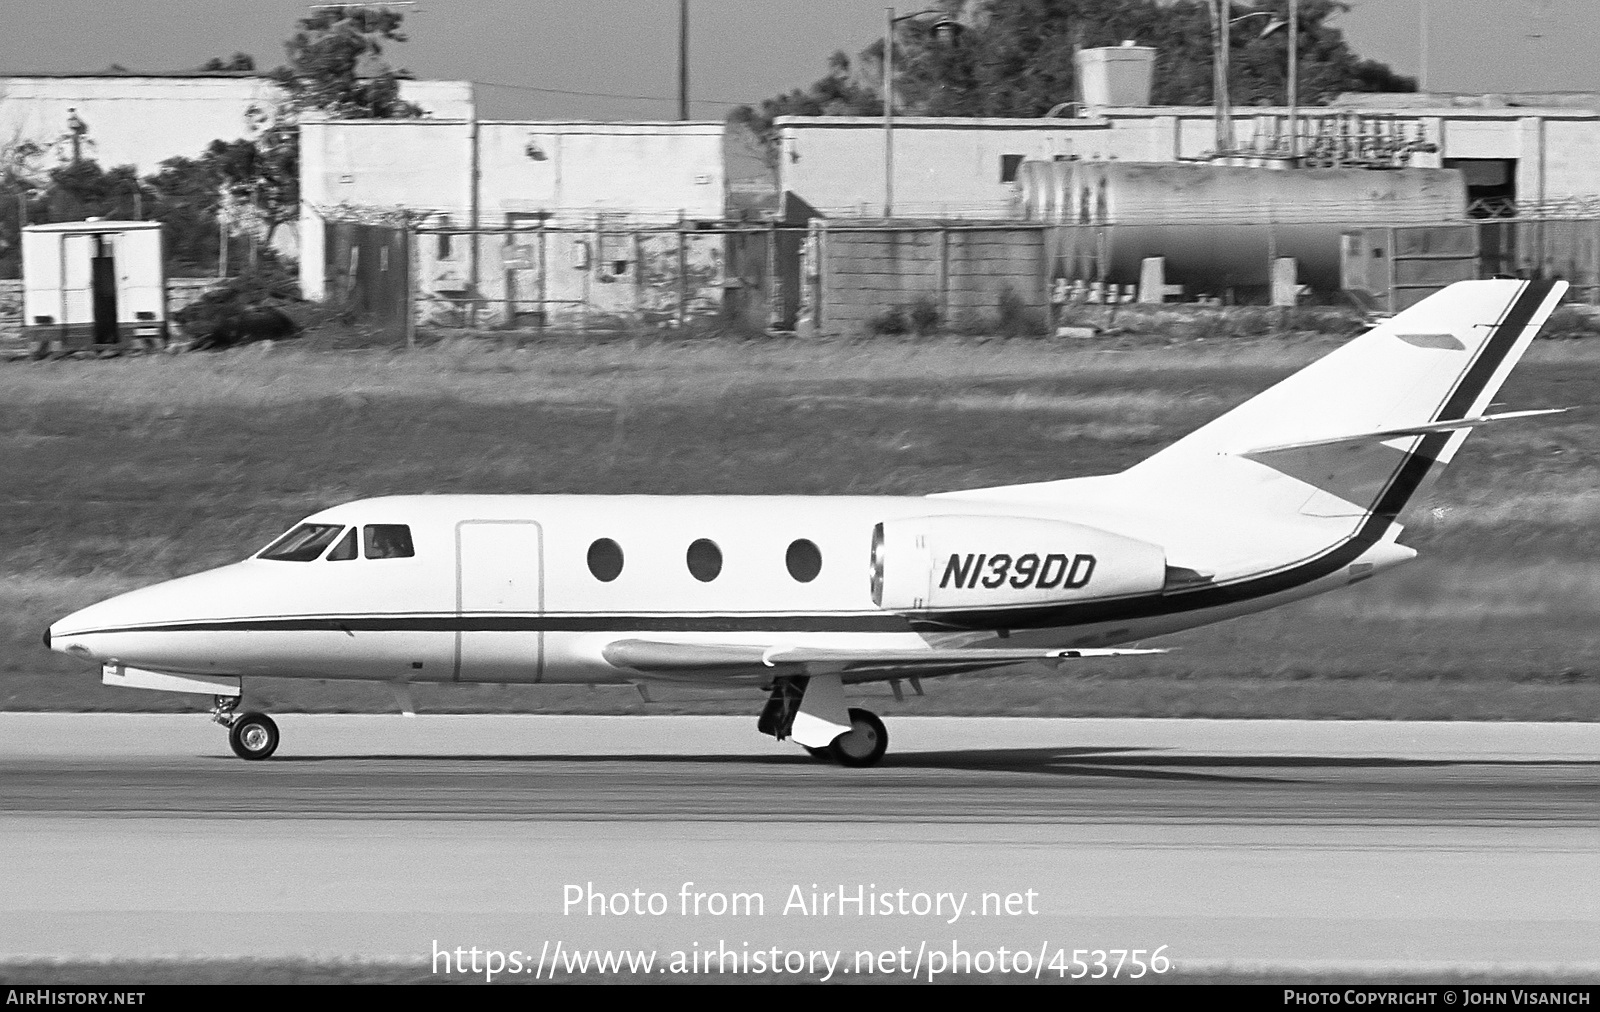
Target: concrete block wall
[966, 273]
[989, 266]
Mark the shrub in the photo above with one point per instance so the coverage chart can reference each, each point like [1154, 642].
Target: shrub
[891, 321]
[1015, 318]
[923, 316]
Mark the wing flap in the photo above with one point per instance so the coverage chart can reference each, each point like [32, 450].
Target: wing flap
[662, 657]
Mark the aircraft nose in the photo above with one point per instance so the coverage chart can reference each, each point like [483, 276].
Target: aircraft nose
[47, 637]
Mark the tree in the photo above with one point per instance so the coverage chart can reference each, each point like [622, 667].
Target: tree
[336, 68]
[1016, 58]
[336, 65]
[22, 179]
[236, 62]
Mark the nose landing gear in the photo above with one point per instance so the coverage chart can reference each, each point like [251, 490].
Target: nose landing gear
[251, 735]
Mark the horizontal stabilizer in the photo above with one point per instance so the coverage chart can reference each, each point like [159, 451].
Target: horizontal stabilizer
[1408, 430]
[653, 656]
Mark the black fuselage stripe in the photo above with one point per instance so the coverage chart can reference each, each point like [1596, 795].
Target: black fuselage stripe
[882, 622]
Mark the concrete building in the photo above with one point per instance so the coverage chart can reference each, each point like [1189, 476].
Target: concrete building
[142, 119]
[1534, 155]
[593, 219]
[1539, 157]
[944, 167]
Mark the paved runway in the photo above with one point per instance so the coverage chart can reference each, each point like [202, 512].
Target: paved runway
[1276, 844]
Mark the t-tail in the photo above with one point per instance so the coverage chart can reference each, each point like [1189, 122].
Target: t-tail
[1358, 432]
[1306, 480]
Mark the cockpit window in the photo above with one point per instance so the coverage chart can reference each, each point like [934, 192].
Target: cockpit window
[386, 541]
[304, 543]
[345, 550]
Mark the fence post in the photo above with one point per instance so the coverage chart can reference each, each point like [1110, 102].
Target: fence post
[777, 311]
[1272, 276]
[1594, 266]
[408, 279]
[820, 314]
[544, 276]
[683, 273]
[508, 253]
[1045, 261]
[638, 274]
[944, 275]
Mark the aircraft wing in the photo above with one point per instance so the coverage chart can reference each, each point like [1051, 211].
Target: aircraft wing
[667, 659]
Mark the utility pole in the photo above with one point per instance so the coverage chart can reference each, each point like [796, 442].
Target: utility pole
[1294, 81]
[1222, 111]
[1422, 45]
[683, 59]
[888, 112]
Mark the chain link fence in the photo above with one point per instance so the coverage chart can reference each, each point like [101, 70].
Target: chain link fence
[529, 277]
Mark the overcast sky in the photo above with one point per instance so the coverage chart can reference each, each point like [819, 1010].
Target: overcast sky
[742, 50]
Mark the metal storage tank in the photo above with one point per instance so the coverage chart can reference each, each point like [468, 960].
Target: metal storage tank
[93, 284]
[1046, 190]
[1217, 225]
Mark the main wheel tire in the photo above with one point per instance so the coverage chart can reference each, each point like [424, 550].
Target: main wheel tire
[865, 742]
[253, 736]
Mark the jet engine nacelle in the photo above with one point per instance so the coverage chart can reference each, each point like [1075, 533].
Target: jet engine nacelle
[960, 562]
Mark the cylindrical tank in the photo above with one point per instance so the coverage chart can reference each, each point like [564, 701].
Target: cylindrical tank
[1045, 189]
[1217, 225]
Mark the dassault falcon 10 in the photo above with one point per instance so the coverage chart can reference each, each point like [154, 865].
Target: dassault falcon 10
[1295, 492]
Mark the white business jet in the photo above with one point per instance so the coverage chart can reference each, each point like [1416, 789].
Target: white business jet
[1295, 492]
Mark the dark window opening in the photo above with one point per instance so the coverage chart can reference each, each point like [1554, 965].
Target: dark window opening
[705, 560]
[444, 251]
[804, 560]
[1009, 164]
[345, 550]
[1491, 185]
[605, 560]
[304, 543]
[386, 541]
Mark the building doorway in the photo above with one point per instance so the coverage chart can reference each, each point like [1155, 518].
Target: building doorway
[103, 285]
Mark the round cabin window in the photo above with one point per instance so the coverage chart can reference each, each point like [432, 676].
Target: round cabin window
[605, 560]
[705, 560]
[804, 560]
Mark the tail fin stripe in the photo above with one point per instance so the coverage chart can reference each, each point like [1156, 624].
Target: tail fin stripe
[1496, 349]
[1416, 466]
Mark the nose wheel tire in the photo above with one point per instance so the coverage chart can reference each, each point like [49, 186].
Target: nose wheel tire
[253, 736]
[865, 742]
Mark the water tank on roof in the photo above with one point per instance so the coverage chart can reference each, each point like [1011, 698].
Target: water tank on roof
[1116, 75]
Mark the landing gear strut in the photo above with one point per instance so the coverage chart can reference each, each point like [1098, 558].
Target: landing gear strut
[222, 709]
[251, 735]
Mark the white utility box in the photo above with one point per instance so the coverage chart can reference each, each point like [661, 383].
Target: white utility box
[93, 285]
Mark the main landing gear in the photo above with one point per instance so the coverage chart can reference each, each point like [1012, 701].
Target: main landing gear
[251, 735]
[863, 745]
